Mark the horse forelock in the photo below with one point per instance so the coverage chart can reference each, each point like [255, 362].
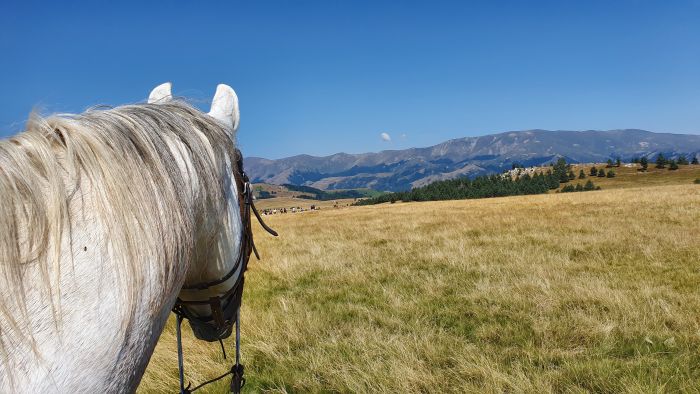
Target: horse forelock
[128, 161]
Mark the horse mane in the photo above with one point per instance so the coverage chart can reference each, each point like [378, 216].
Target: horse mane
[124, 159]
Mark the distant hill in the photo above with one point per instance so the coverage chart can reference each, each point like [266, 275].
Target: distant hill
[263, 191]
[541, 180]
[396, 170]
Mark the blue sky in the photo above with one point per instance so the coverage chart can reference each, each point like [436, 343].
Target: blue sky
[330, 76]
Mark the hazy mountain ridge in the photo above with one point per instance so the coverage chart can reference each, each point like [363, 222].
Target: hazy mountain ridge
[470, 156]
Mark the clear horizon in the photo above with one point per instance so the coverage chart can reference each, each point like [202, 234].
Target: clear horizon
[321, 78]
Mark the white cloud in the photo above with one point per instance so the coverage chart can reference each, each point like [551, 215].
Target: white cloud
[403, 136]
[385, 137]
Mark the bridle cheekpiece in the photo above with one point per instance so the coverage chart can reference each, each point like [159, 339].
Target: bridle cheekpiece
[225, 308]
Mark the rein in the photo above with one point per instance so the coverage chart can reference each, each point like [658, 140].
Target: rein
[228, 301]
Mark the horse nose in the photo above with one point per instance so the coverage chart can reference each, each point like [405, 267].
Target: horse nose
[210, 332]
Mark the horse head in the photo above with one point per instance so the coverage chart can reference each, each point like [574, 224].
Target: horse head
[153, 195]
[212, 289]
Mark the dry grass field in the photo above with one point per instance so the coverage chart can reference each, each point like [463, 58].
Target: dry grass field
[626, 177]
[289, 202]
[578, 292]
[285, 198]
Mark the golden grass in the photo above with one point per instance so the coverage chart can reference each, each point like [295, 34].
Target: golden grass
[626, 177]
[578, 292]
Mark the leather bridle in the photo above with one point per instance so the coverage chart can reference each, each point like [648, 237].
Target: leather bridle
[225, 308]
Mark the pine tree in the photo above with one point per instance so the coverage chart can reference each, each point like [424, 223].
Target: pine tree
[644, 162]
[635, 160]
[611, 174]
[581, 174]
[660, 161]
[561, 164]
[673, 165]
[579, 188]
[594, 171]
[572, 176]
[601, 173]
[610, 163]
[694, 161]
[561, 170]
[552, 180]
[589, 186]
[682, 161]
[618, 162]
[563, 177]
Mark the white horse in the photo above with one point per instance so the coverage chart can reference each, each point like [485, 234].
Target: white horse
[104, 217]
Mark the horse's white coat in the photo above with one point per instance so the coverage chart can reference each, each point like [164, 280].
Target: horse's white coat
[90, 340]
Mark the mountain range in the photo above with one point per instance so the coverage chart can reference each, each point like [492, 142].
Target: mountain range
[397, 170]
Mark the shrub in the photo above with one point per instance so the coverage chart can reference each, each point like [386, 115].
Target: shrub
[263, 194]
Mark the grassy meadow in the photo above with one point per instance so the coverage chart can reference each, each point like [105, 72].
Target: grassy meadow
[289, 202]
[578, 292]
[626, 177]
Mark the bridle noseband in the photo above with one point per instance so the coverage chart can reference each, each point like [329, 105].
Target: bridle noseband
[225, 308]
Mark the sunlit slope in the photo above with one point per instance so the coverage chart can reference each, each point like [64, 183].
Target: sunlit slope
[627, 177]
[289, 202]
[596, 291]
[283, 197]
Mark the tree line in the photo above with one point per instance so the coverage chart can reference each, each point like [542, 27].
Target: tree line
[662, 162]
[497, 185]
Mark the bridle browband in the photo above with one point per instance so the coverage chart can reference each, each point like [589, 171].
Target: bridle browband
[229, 301]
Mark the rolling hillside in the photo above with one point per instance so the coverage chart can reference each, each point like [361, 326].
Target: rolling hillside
[404, 169]
[270, 196]
[629, 177]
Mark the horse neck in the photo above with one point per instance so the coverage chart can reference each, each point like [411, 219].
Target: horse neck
[93, 340]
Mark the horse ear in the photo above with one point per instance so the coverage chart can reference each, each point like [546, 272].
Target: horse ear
[161, 94]
[224, 107]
